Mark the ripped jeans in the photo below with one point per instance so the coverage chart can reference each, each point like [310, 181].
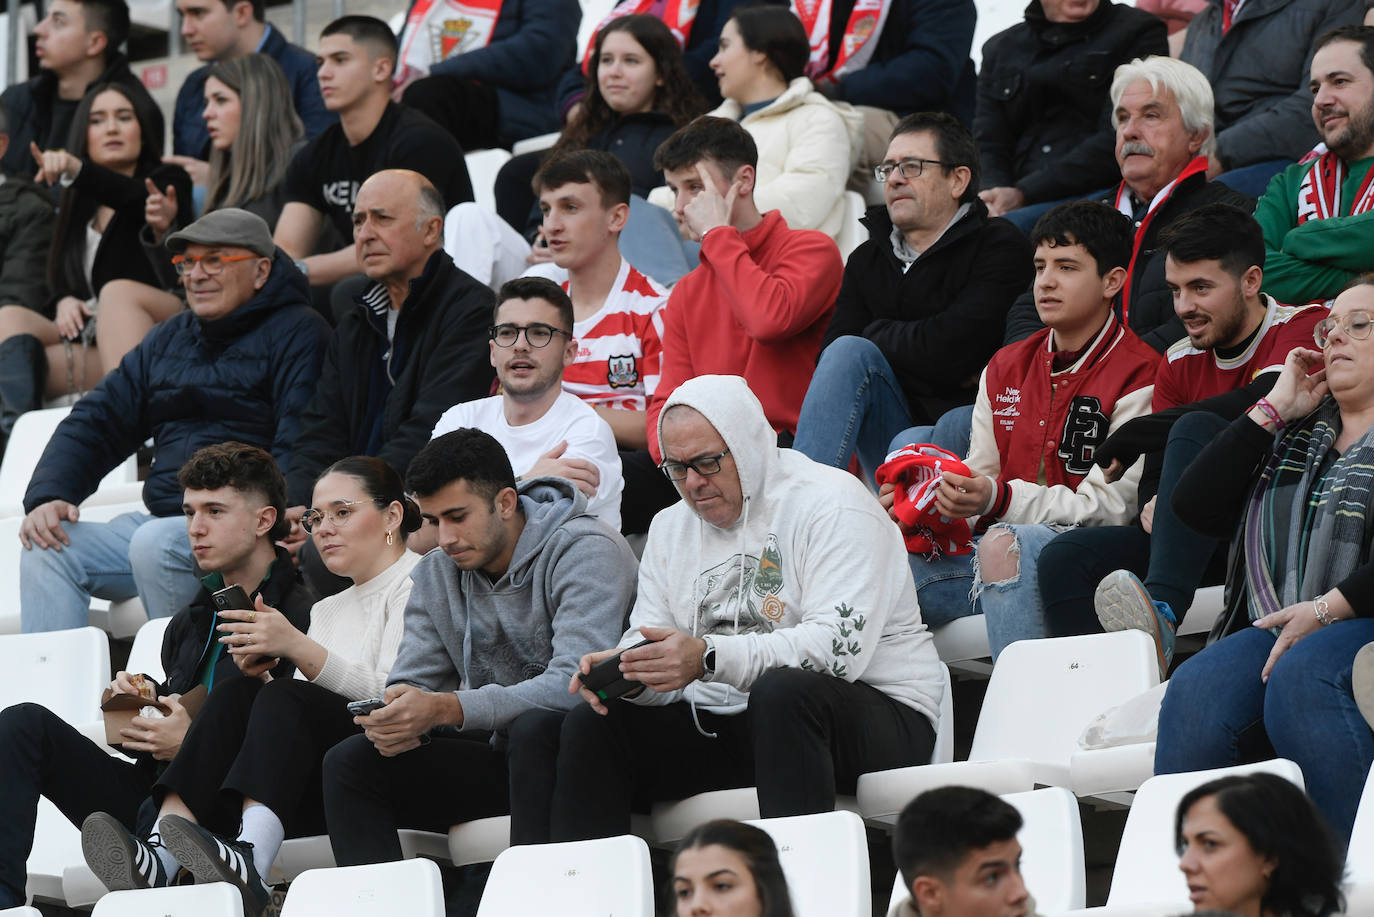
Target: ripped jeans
[951, 586]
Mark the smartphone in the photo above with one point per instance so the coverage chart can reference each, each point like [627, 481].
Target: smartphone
[232, 598]
[605, 679]
[364, 707]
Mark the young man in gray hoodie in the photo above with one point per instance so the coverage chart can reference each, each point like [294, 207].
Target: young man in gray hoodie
[523, 584]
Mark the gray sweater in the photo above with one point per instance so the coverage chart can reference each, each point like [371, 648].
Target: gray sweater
[513, 645]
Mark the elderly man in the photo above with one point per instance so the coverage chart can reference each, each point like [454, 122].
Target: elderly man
[239, 365]
[1315, 216]
[922, 304]
[787, 651]
[1162, 110]
[413, 343]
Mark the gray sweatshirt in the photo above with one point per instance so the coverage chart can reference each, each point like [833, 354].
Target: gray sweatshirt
[513, 645]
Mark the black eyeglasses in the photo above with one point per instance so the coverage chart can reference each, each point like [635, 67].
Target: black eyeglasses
[910, 168]
[706, 465]
[1355, 325]
[536, 334]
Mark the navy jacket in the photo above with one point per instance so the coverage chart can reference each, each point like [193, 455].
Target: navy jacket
[190, 383]
[189, 137]
[532, 44]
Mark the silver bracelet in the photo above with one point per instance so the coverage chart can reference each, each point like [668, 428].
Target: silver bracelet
[1322, 611]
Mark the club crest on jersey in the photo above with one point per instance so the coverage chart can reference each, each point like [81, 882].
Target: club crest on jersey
[621, 372]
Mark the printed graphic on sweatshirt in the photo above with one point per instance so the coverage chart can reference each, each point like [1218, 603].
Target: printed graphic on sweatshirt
[1085, 428]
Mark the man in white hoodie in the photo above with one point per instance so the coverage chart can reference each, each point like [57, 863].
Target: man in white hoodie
[788, 651]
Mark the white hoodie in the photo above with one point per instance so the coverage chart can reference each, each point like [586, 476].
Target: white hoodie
[812, 575]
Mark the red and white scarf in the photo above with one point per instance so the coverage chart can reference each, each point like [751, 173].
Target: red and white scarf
[1123, 204]
[436, 30]
[856, 47]
[677, 15]
[1319, 195]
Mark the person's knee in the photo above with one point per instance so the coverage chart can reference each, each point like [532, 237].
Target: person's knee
[149, 546]
[21, 721]
[1195, 428]
[999, 556]
[779, 693]
[346, 760]
[119, 294]
[535, 729]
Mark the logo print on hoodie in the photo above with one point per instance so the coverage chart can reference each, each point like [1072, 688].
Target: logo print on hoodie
[753, 602]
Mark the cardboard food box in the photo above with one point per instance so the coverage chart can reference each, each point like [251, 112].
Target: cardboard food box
[120, 709]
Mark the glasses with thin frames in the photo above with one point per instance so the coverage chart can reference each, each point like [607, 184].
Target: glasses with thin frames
[911, 168]
[536, 335]
[704, 466]
[338, 515]
[1355, 325]
[210, 264]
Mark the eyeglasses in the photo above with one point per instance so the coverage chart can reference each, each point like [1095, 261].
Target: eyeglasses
[536, 335]
[1354, 325]
[338, 516]
[706, 465]
[210, 264]
[910, 168]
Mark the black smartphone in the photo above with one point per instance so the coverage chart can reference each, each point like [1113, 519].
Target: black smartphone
[232, 598]
[605, 679]
[364, 707]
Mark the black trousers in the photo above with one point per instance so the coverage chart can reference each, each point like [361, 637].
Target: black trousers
[40, 755]
[456, 777]
[468, 110]
[804, 738]
[646, 491]
[259, 741]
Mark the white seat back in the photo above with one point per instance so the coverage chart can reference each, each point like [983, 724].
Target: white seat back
[482, 168]
[852, 233]
[943, 752]
[410, 887]
[64, 670]
[146, 655]
[1147, 870]
[593, 11]
[1359, 860]
[1051, 839]
[601, 878]
[28, 440]
[1043, 692]
[825, 859]
[218, 899]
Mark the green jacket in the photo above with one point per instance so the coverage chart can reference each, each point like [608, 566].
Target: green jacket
[26, 219]
[1317, 259]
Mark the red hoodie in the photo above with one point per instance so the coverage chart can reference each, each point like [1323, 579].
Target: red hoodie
[756, 307]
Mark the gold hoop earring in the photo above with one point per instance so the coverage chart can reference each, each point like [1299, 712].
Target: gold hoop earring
[389, 538]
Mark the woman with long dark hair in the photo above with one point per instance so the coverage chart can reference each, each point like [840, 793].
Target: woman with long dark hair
[728, 869]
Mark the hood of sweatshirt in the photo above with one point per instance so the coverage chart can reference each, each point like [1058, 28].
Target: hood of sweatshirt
[547, 504]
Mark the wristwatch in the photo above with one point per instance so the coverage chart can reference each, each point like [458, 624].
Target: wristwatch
[708, 659]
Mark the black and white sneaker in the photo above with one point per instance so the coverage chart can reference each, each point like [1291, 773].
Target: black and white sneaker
[211, 858]
[119, 860]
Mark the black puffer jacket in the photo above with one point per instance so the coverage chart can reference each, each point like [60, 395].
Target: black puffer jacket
[26, 218]
[191, 383]
[1044, 109]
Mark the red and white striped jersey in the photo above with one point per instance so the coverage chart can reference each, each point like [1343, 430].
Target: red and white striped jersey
[619, 348]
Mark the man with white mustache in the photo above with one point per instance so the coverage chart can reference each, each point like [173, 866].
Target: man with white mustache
[1315, 214]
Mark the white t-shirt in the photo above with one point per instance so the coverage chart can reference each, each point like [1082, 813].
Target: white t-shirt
[588, 437]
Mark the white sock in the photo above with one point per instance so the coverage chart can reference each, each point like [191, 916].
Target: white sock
[169, 862]
[263, 829]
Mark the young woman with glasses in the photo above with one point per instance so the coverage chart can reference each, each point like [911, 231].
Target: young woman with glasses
[249, 771]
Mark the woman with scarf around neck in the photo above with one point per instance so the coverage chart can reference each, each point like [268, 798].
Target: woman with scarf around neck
[1300, 591]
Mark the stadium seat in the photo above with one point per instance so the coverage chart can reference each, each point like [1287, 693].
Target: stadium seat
[482, 168]
[962, 644]
[535, 144]
[218, 899]
[25, 911]
[478, 841]
[1041, 695]
[299, 854]
[852, 232]
[593, 11]
[1208, 602]
[825, 860]
[410, 887]
[30, 437]
[1359, 861]
[596, 878]
[145, 657]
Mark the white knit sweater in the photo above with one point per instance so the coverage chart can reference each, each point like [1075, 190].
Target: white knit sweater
[361, 629]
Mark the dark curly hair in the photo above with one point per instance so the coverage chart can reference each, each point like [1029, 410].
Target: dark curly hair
[245, 468]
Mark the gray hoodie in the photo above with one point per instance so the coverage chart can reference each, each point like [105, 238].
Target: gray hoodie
[513, 645]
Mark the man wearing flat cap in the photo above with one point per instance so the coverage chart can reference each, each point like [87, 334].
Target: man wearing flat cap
[239, 365]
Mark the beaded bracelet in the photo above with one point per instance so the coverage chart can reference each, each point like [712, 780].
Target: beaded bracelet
[1264, 405]
[1322, 611]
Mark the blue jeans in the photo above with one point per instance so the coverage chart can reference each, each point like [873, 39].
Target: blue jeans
[952, 586]
[951, 432]
[1254, 179]
[132, 554]
[1025, 218]
[853, 405]
[1218, 713]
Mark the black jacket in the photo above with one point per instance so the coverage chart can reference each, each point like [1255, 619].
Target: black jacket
[1151, 315]
[1044, 111]
[940, 322]
[190, 383]
[191, 634]
[26, 220]
[442, 354]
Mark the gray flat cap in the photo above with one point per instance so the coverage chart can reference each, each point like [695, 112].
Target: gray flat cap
[230, 226]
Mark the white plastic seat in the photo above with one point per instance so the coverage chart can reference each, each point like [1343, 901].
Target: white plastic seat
[482, 168]
[593, 11]
[535, 144]
[963, 644]
[1041, 695]
[1359, 860]
[27, 442]
[299, 854]
[218, 899]
[410, 887]
[825, 860]
[601, 878]
[1208, 602]
[852, 233]
[145, 656]
[478, 841]
[1105, 772]
[25, 911]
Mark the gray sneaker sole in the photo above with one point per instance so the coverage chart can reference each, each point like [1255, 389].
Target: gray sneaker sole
[110, 853]
[1120, 605]
[200, 856]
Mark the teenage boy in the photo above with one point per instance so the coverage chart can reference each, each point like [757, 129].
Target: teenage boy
[617, 314]
[544, 429]
[356, 58]
[1044, 406]
[1237, 341]
[758, 304]
[234, 502]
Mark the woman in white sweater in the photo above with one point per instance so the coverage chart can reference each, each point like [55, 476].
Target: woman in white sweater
[249, 768]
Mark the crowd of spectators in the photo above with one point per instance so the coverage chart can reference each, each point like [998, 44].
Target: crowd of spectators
[1107, 341]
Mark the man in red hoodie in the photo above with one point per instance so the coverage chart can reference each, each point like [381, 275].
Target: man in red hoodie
[758, 304]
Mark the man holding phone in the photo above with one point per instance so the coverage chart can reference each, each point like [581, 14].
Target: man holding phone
[234, 504]
[526, 583]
